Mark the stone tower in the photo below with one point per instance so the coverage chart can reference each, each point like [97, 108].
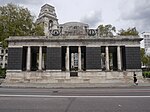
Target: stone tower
[48, 18]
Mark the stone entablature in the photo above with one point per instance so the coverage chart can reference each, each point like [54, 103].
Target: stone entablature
[117, 38]
[73, 41]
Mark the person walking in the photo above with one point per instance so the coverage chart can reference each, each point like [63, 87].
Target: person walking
[135, 79]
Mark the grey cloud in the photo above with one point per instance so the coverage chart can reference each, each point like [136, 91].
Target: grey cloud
[24, 2]
[139, 15]
[92, 18]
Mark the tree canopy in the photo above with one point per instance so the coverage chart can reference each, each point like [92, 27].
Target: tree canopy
[145, 58]
[128, 32]
[17, 21]
[106, 30]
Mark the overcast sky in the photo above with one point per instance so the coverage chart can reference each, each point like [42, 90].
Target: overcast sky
[120, 13]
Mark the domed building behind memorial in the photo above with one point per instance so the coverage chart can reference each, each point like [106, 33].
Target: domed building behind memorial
[72, 53]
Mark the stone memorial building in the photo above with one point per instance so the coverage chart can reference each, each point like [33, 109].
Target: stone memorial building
[72, 53]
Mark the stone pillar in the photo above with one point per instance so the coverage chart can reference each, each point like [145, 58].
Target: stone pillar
[3, 63]
[107, 58]
[79, 58]
[40, 58]
[43, 62]
[118, 57]
[28, 58]
[67, 58]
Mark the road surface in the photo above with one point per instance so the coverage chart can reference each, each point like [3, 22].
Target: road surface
[136, 99]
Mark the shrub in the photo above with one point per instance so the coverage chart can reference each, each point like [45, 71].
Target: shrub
[2, 72]
[146, 74]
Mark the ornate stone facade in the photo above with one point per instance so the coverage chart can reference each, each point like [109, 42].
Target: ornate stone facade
[48, 18]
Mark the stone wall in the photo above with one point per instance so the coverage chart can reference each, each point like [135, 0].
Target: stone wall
[14, 59]
[64, 77]
[133, 58]
[93, 58]
[53, 58]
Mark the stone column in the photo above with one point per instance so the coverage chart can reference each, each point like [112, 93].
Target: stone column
[3, 66]
[28, 58]
[118, 57]
[107, 58]
[40, 58]
[67, 58]
[79, 58]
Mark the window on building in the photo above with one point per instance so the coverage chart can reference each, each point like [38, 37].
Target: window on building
[75, 27]
[6, 58]
[5, 65]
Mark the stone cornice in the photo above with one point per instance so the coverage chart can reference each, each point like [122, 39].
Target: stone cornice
[71, 38]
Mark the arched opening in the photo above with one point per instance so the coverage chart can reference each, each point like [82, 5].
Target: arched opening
[50, 25]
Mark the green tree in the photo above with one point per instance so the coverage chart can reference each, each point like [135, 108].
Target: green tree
[144, 58]
[128, 32]
[17, 21]
[38, 30]
[106, 30]
[2, 72]
[148, 63]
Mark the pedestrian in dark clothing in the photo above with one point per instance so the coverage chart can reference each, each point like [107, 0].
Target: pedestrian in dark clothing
[135, 79]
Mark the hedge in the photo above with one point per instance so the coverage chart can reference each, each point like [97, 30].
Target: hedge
[146, 74]
[2, 73]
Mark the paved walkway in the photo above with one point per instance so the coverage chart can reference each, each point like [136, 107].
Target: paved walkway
[70, 85]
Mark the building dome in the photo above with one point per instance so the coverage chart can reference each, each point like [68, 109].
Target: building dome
[74, 28]
[74, 24]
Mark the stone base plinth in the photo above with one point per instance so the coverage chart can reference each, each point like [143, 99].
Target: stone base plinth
[64, 77]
